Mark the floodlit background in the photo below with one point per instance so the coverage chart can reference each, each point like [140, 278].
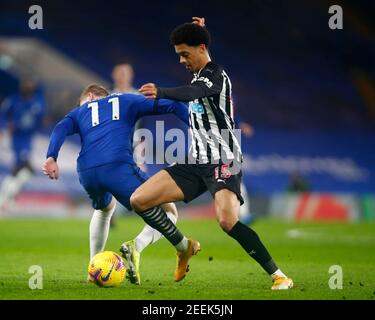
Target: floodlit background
[304, 99]
[308, 93]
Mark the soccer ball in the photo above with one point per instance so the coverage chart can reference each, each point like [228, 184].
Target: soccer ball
[107, 269]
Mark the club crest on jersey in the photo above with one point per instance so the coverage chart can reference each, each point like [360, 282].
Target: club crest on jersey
[196, 107]
[222, 172]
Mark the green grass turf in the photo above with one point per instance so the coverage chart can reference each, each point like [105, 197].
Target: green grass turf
[221, 271]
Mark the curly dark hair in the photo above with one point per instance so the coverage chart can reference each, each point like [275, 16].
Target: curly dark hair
[190, 34]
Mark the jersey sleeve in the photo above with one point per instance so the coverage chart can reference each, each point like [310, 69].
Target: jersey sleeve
[66, 127]
[170, 106]
[143, 107]
[207, 84]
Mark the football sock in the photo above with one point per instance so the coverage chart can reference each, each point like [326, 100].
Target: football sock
[279, 273]
[99, 229]
[250, 241]
[149, 235]
[183, 245]
[158, 219]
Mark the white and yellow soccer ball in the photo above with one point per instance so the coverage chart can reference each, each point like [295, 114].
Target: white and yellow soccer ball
[107, 269]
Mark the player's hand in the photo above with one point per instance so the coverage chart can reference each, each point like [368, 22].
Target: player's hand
[149, 90]
[199, 21]
[51, 169]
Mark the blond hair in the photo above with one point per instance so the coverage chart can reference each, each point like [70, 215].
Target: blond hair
[96, 89]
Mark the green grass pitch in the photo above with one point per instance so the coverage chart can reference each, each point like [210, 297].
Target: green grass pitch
[222, 270]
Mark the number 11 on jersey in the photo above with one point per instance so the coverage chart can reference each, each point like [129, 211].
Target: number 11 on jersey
[95, 110]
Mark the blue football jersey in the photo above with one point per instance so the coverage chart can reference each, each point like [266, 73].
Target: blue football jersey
[106, 127]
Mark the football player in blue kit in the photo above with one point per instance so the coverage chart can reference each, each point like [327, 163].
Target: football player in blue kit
[106, 168]
[23, 114]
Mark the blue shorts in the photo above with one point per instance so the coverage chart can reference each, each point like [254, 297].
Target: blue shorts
[118, 179]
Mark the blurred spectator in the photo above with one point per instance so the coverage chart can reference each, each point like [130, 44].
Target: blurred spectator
[123, 76]
[24, 114]
[246, 129]
[298, 183]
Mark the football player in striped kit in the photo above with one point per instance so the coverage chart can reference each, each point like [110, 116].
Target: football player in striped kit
[215, 156]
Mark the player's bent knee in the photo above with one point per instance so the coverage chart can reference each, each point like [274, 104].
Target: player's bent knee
[226, 216]
[226, 224]
[137, 202]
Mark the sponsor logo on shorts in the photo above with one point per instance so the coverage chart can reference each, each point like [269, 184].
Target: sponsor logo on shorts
[222, 172]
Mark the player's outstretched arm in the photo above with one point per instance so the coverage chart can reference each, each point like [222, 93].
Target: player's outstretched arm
[170, 106]
[144, 107]
[183, 93]
[50, 168]
[65, 127]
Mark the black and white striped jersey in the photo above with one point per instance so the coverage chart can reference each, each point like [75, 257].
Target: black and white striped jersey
[211, 112]
[212, 118]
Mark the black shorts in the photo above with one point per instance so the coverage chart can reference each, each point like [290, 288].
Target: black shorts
[195, 179]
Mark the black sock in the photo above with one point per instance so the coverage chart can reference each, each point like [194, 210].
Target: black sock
[158, 219]
[250, 241]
